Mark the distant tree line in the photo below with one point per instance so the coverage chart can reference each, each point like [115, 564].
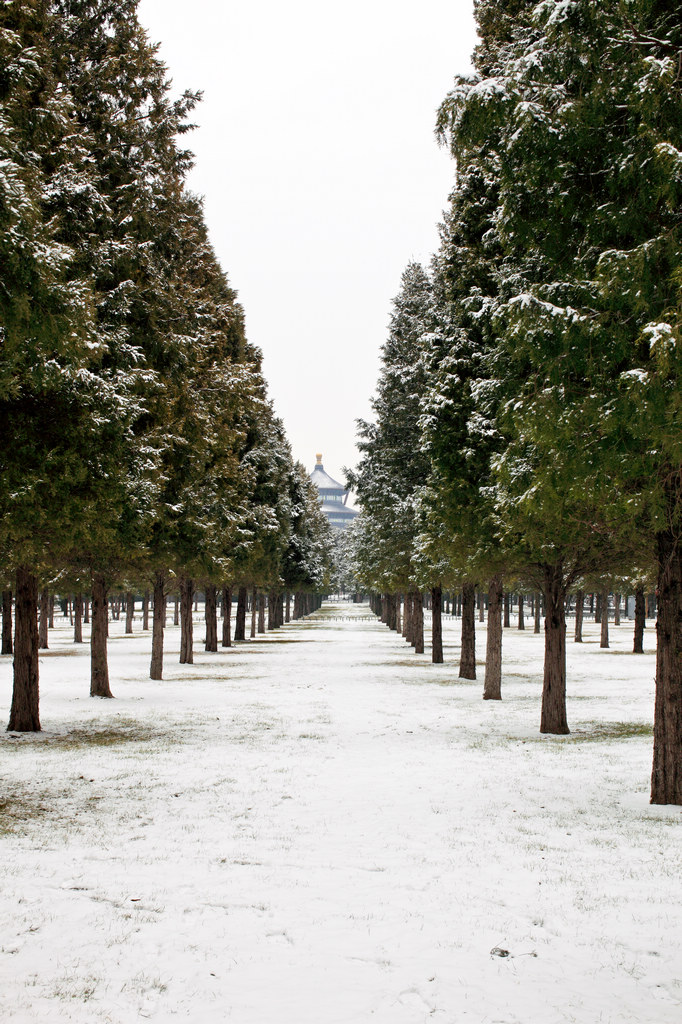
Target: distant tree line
[527, 433]
[139, 449]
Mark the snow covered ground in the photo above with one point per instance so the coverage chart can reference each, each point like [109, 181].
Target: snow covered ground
[319, 827]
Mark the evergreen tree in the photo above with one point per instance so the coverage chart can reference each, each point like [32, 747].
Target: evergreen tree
[393, 467]
[579, 110]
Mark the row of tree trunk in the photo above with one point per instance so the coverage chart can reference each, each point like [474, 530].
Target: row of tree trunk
[496, 603]
[33, 617]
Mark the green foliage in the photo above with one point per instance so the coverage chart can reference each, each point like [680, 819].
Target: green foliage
[393, 467]
[137, 435]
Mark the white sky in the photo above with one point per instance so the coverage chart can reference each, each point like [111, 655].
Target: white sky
[322, 178]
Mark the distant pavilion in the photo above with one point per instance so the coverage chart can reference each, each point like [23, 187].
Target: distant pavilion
[333, 496]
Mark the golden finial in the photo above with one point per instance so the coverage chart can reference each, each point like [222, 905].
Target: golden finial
[319, 458]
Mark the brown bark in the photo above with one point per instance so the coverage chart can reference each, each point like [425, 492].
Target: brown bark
[78, 618]
[537, 613]
[640, 621]
[240, 621]
[604, 602]
[467, 658]
[481, 607]
[24, 716]
[436, 625]
[254, 612]
[392, 613]
[86, 611]
[271, 610]
[130, 611]
[579, 606]
[261, 612]
[227, 614]
[522, 621]
[279, 606]
[398, 613]
[99, 668]
[145, 610]
[7, 622]
[186, 622]
[158, 626]
[418, 622]
[211, 613]
[287, 613]
[507, 610]
[492, 686]
[407, 617]
[616, 609]
[666, 775]
[176, 611]
[44, 618]
[553, 716]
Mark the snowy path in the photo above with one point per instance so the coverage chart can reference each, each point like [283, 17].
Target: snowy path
[322, 828]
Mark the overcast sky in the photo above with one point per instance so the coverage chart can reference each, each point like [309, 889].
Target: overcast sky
[322, 178]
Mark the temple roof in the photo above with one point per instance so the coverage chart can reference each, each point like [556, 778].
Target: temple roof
[335, 508]
[323, 481]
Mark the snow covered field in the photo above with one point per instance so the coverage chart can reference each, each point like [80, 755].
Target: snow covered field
[319, 827]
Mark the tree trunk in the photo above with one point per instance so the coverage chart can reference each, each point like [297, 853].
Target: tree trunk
[467, 658]
[579, 604]
[24, 716]
[492, 686]
[398, 613]
[604, 602]
[145, 610]
[418, 622]
[279, 607]
[130, 611]
[78, 618]
[538, 613]
[640, 621]
[481, 607]
[186, 623]
[176, 611]
[598, 609]
[211, 613]
[407, 617]
[227, 615]
[7, 622]
[507, 610]
[553, 717]
[240, 621]
[261, 612]
[616, 609]
[392, 617]
[158, 625]
[666, 775]
[254, 612]
[44, 619]
[522, 621]
[436, 625]
[99, 668]
[287, 614]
